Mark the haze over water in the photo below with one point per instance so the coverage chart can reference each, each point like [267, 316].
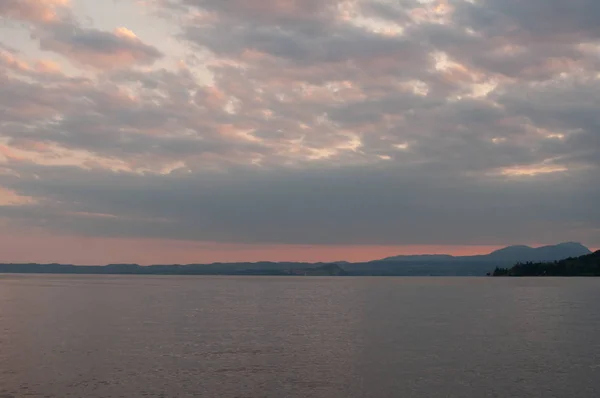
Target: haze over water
[119, 336]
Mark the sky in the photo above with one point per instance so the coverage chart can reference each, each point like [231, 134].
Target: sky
[179, 131]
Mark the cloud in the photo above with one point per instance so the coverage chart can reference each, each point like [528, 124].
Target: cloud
[330, 122]
[58, 30]
[534, 39]
[100, 49]
[10, 198]
[324, 207]
[36, 11]
[283, 12]
[537, 19]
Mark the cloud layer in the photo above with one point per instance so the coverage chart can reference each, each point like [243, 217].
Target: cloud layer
[363, 122]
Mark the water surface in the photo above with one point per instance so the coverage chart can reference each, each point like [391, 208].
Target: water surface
[165, 336]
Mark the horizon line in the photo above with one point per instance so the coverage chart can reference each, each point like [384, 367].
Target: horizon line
[166, 263]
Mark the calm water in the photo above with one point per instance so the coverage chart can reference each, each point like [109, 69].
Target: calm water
[137, 336]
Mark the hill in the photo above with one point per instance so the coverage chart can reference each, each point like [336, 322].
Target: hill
[587, 265]
[322, 270]
[417, 265]
[258, 269]
[510, 254]
[540, 254]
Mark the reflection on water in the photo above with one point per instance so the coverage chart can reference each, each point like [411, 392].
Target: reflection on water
[130, 336]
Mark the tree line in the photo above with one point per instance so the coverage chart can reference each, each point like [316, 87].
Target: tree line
[588, 265]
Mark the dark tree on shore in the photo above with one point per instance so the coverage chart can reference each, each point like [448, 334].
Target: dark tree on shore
[588, 265]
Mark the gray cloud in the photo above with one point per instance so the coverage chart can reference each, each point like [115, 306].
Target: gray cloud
[543, 20]
[366, 205]
[316, 129]
[341, 45]
[97, 48]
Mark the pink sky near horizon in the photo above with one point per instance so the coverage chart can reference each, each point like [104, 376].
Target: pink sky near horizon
[17, 248]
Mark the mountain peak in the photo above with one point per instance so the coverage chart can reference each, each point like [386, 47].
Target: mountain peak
[419, 257]
[521, 253]
[571, 244]
[509, 254]
[513, 248]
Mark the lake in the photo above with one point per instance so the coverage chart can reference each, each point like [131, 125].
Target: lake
[160, 336]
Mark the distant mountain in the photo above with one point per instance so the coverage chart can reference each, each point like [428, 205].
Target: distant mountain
[545, 253]
[510, 254]
[417, 265]
[587, 265]
[257, 269]
[321, 270]
[419, 257]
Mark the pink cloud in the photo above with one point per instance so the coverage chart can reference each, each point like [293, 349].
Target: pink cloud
[47, 67]
[13, 62]
[37, 11]
[11, 198]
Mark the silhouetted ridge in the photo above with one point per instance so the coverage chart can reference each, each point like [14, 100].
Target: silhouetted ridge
[508, 255]
[418, 265]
